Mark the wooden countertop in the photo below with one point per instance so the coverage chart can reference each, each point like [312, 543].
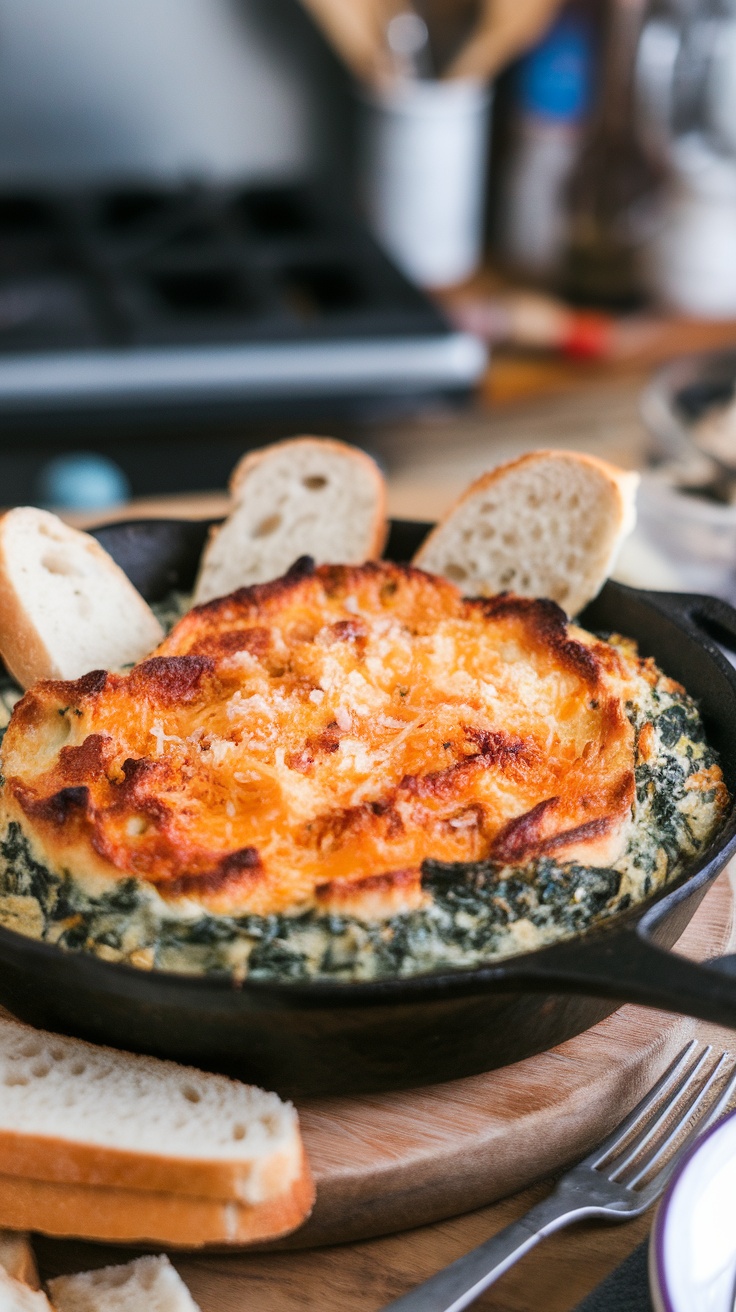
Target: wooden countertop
[363, 1277]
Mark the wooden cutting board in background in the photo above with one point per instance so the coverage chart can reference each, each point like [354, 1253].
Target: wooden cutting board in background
[395, 1161]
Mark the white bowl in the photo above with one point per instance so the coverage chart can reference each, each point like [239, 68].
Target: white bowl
[692, 1250]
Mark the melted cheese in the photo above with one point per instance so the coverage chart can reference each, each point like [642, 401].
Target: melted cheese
[311, 742]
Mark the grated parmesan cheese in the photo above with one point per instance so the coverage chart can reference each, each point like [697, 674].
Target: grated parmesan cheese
[342, 716]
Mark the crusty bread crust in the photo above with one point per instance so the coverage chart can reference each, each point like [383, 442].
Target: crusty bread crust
[62, 1161]
[18, 1259]
[128, 1216]
[622, 483]
[621, 477]
[26, 656]
[23, 650]
[366, 469]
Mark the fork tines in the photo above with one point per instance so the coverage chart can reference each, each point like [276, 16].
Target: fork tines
[645, 1148]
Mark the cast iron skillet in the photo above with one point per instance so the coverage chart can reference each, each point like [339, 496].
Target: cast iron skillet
[339, 1037]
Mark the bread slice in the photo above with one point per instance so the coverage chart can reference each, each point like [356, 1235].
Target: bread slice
[18, 1259]
[547, 525]
[65, 606]
[75, 1113]
[17, 1297]
[309, 496]
[131, 1216]
[149, 1284]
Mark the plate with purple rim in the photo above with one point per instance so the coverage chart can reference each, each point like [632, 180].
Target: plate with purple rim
[692, 1250]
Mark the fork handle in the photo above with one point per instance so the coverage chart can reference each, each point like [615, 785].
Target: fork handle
[461, 1282]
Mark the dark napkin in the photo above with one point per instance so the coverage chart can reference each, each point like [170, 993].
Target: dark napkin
[625, 1290]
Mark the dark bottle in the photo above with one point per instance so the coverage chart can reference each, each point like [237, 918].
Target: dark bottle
[614, 180]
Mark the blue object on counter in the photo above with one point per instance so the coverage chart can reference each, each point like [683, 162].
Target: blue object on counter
[552, 93]
[82, 481]
[555, 80]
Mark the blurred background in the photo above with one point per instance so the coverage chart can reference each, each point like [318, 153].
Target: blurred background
[448, 231]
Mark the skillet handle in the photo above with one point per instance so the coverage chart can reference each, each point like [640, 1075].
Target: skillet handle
[708, 616]
[626, 967]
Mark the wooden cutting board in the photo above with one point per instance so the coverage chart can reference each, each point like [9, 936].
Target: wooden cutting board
[390, 1162]
[394, 1161]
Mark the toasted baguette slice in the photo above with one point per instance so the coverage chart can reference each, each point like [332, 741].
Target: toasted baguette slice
[140, 1123]
[149, 1284]
[18, 1259]
[309, 496]
[140, 1217]
[65, 606]
[17, 1297]
[547, 525]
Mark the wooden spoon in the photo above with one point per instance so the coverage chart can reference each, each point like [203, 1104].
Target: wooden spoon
[356, 29]
[505, 28]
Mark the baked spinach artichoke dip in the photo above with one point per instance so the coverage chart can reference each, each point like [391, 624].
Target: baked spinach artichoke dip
[352, 772]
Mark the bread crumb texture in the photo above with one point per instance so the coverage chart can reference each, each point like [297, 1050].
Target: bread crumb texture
[17, 1297]
[149, 1284]
[73, 1093]
[547, 525]
[306, 496]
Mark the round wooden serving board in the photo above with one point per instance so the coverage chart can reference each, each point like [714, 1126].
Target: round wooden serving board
[393, 1161]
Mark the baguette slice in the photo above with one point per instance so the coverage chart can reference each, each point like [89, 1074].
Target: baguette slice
[309, 496]
[547, 525]
[143, 1124]
[18, 1259]
[17, 1297]
[130, 1216]
[149, 1284]
[65, 606]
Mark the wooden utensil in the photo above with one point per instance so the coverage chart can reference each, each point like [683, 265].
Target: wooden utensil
[505, 28]
[356, 30]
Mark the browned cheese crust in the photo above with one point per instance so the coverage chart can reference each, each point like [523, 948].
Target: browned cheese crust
[309, 742]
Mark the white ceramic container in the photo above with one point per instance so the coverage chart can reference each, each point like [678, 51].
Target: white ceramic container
[424, 173]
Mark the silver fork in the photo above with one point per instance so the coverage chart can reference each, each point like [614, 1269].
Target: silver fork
[620, 1179]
